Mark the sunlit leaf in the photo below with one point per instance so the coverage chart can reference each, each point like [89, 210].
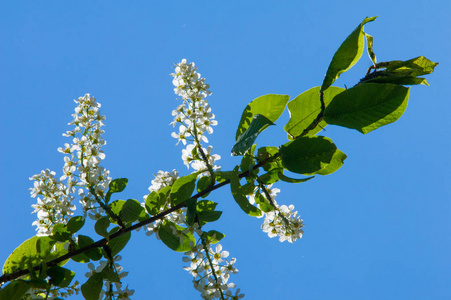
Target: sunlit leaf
[240, 196]
[307, 155]
[271, 106]
[367, 107]
[305, 108]
[94, 253]
[247, 138]
[347, 54]
[33, 251]
[116, 186]
[183, 188]
[91, 289]
[132, 211]
[173, 237]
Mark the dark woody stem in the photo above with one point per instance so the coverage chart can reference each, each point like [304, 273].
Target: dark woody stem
[103, 242]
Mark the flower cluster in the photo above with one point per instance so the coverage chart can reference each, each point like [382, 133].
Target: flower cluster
[118, 292]
[210, 268]
[56, 206]
[56, 293]
[284, 223]
[85, 153]
[81, 170]
[281, 221]
[211, 271]
[194, 117]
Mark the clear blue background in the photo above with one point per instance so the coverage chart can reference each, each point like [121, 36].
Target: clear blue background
[377, 229]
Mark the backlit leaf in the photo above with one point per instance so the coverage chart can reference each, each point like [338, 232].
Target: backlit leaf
[368, 106]
[271, 106]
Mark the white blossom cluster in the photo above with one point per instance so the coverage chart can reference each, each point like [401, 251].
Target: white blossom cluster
[85, 154]
[119, 292]
[81, 170]
[56, 206]
[212, 272]
[193, 116]
[162, 179]
[53, 294]
[281, 221]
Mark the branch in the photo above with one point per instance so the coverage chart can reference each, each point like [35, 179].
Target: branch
[103, 242]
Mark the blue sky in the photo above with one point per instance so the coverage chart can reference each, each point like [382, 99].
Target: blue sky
[377, 228]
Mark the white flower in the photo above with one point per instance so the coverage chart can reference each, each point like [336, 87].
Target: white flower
[219, 254]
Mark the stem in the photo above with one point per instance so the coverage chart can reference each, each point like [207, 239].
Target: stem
[204, 243]
[107, 208]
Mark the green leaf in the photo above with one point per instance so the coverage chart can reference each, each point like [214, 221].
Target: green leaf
[247, 162]
[60, 277]
[263, 203]
[264, 153]
[156, 200]
[208, 216]
[179, 242]
[295, 180]
[191, 211]
[413, 67]
[203, 183]
[367, 107]
[91, 289]
[395, 79]
[335, 164]
[222, 176]
[110, 275]
[81, 258]
[116, 207]
[369, 46]
[247, 138]
[58, 250]
[31, 252]
[271, 106]
[183, 188]
[117, 244]
[305, 108]
[75, 224]
[132, 211]
[206, 205]
[44, 246]
[14, 290]
[116, 186]
[402, 72]
[94, 253]
[60, 233]
[240, 196]
[205, 210]
[270, 177]
[347, 54]
[307, 155]
[17, 288]
[213, 236]
[101, 226]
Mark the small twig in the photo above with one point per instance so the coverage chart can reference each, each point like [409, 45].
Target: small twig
[107, 209]
[204, 243]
